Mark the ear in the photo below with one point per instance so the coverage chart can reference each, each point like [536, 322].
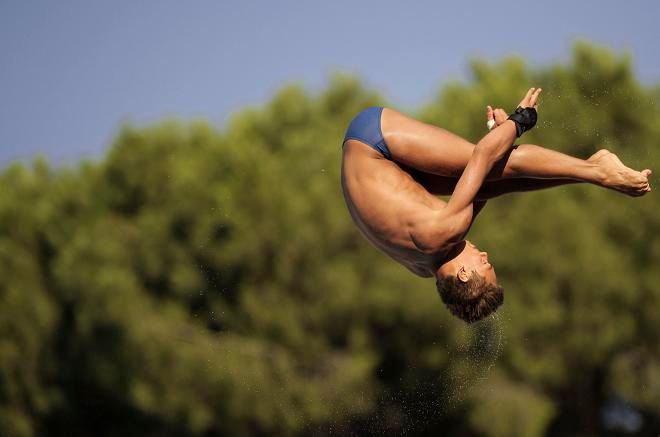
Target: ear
[463, 274]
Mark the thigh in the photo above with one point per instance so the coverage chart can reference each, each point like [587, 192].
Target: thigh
[423, 146]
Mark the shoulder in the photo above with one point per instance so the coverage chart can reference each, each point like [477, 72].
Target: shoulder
[433, 230]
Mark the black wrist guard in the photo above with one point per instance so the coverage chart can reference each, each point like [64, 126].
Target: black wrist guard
[525, 119]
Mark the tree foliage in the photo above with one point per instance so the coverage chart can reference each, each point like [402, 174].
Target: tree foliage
[199, 281]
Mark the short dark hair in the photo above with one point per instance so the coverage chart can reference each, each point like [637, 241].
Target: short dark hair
[472, 300]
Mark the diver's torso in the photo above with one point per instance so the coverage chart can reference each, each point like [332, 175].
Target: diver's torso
[381, 197]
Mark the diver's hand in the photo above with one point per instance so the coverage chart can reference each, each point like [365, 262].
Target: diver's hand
[531, 99]
[497, 115]
[525, 115]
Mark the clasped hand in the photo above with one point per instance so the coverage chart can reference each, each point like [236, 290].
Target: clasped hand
[499, 115]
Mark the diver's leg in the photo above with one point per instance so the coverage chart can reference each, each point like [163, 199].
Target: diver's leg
[444, 185]
[519, 185]
[435, 150]
[618, 177]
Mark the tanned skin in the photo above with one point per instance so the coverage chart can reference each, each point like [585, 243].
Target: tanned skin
[394, 202]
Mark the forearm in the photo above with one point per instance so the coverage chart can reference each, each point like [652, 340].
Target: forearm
[497, 143]
[486, 153]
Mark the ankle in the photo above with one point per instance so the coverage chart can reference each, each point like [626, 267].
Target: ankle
[598, 174]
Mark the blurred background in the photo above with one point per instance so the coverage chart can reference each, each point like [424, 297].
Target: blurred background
[176, 257]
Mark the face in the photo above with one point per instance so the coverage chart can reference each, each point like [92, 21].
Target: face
[470, 258]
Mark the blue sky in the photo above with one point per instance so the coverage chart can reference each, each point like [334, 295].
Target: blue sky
[71, 72]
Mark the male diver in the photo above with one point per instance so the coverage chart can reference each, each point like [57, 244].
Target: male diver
[394, 166]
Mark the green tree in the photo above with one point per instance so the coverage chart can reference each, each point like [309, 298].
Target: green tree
[199, 281]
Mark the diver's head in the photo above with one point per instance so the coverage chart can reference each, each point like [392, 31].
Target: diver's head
[467, 283]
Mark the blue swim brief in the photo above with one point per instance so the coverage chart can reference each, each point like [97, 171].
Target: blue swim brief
[365, 127]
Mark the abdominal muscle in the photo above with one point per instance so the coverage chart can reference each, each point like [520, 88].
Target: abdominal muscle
[381, 197]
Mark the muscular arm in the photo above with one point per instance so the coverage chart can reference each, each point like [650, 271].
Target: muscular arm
[432, 229]
[486, 153]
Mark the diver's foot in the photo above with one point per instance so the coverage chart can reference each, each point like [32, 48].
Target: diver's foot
[618, 177]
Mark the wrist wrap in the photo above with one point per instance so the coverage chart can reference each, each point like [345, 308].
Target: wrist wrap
[525, 119]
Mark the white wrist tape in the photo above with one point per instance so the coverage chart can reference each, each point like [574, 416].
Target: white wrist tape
[490, 124]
